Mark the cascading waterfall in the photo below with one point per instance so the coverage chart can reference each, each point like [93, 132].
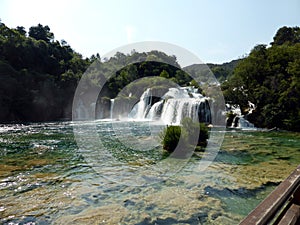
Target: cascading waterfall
[239, 120]
[243, 123]
[112, 102]
[146, 104]
[177, 109]
[156, 110]
[141, 109]
[175, 105]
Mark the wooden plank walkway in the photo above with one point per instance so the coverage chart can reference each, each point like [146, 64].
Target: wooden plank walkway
[281, 207]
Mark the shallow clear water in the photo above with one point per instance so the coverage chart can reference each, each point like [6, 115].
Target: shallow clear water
[46, 177]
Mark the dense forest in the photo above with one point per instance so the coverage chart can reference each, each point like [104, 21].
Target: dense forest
[39, 76]
[269, 77]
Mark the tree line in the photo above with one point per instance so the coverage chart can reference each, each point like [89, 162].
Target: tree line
[39, 76]
[269, 77]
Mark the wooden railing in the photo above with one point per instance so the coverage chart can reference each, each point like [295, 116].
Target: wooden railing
[281, 207]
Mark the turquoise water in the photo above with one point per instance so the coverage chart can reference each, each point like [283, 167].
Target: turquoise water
[46, 177]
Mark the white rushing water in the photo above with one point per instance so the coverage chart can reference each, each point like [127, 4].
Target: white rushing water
[239, 120]
[112, 103]
[173, 106]
[144, 104]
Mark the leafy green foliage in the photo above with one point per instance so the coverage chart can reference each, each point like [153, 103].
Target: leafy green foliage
[189, 134]
[170, 137]
[41, 32]
[164, 74]
[39, 74]
[270, 78]
[123, 77]
[287, 35]
[204, 135]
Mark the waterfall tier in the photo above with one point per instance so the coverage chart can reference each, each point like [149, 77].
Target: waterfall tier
[172, 107]
[238, 120]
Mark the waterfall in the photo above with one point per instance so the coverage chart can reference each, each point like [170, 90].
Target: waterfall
[112, 102]
[172, 107]
[243, 123]
[155, 111]
[239, 120]
[141, 109]
[195, 108]
[82, 112]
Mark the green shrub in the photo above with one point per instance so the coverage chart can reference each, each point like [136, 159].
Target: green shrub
[170, 137]
[191, 134]
[203, 136]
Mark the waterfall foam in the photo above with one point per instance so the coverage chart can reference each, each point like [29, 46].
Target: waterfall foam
[156, 110]
[173, 106]
[239, 121]
[141, 109]
[112, 102]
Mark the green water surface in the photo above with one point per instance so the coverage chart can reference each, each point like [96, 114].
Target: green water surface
[46, 178]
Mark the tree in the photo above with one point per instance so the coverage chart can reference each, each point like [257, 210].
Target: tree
[164, 74]
[41, 32]
[38, 75]
[269, 78]
[21, 30]
[186, 137]
[287, 35]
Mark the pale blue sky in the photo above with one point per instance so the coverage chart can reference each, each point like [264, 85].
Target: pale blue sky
[215, 30]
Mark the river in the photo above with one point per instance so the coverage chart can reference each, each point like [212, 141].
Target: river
[47, 178]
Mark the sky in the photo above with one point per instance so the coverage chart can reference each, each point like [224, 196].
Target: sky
[216, 31]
